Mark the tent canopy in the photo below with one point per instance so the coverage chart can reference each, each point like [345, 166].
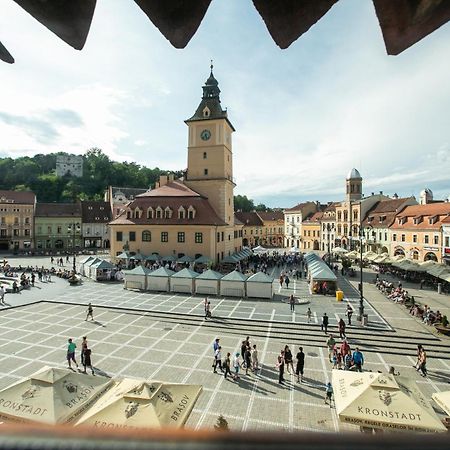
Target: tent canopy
[153, 257]
[380, 400]
[318, 269]
[138, 270]
[203, 260]
[138, 257]
[231, 259]
[234, 276]
[185, 273]
[210, 275]
[161, 272]
[169, 258]
[260, 277]
[102, 264]
[124, 255]
[443, 400]
[185, 259]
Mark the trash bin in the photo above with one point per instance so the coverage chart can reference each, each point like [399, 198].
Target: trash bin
[339, 296]
[365, 319]
[439, 288]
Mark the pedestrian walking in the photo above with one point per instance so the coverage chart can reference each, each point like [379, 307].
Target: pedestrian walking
[218, 359]
[342, 328]
[87, 360]
[33, 278]
[71, 353]
[349, 314]
[255, 361]
[287, 281]
[331, 344]
[227, 365]
[215, 347]
[308, 315]
[292, 302]
[205, 303]
[84, 346]
[2, 294]
[324, 326]
[247, 358]
[90, 312]
[281, 281]
[288, 359]
[208, 310]
[329, 394]
[348, 362]
[358, 360]
[280, 367]
[236, 365]
[423, 362]
[300, 364]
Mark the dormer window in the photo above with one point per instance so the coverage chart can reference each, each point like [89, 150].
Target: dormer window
[158, 212]
[128, 214]
[150, 212]
[432, 220]
[137, 213]
[181, 212]
[370, 219]
[191, 212]
[417, 220]
[401, 220]
[206, 112]
[167, 213]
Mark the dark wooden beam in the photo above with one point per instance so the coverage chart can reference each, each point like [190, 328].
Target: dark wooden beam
[70, 20]
[287, 20]
[405, 22]
[177, 20]
[5, 55]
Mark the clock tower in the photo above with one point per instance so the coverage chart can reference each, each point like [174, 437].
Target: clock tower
[210, 156]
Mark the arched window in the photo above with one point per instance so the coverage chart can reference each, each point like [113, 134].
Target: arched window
[181, 212]
[146, 236]
[167, 213]
[128, 214]
[191, 212]
[137, 213]
[158, 212]
[150, 212]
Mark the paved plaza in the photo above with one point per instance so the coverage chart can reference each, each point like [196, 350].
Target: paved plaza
[165, 337]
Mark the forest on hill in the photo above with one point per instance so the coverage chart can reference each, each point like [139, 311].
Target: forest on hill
[38, 174]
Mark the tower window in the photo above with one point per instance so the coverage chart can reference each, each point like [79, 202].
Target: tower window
[205, 155]
[205, 171]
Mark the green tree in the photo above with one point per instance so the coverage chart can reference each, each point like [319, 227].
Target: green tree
[242, 203]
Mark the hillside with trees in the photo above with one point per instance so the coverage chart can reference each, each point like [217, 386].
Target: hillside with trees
[38, 174]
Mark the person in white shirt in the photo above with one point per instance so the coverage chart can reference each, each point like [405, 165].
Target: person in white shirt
[236, 365]
[218, 359]
[2, 295]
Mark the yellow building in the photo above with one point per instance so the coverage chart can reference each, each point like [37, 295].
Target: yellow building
[416, 232]
[311, 232]
[16, 220]
[273, 228]
[195, 215]
[253, 226]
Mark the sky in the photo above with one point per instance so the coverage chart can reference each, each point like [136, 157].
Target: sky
[304, 116]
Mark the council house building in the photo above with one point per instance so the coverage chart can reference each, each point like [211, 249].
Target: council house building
[193, 215]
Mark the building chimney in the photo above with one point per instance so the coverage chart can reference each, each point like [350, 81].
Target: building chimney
[381, 192]
[163, 180]
[171, 177]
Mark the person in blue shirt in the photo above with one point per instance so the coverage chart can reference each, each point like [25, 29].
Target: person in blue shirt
[358, 360]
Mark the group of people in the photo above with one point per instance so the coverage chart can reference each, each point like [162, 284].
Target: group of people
[285, 360]
[85, 354]
[395, 293]
[342, 356]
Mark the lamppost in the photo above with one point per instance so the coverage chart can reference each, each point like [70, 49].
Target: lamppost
[72, 229]
[329, 228]
[361, 289]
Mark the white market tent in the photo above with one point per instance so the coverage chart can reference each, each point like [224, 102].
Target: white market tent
[385, 401]
[443, 400]
[319, 272]
[83, 263]
[158, 280]
[259, 285]
[259, 249]
[208, 283]
[233, 284]
[101, 271]
[88, 267]
[183, 281]
[136, 278]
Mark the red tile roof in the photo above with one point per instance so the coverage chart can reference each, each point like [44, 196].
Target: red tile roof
[19, 197]
[439, 211]
[271, 215]
[314, 218]
[249, 219]
[172, 189]
[383, 213]
[58, 210]
[298, 207]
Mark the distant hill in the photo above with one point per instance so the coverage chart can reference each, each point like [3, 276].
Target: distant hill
[38, 174]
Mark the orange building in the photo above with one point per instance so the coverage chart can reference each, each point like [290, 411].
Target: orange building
[311, 232]
[273, 227]
[416, 232]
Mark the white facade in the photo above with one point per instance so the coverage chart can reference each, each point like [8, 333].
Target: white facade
[446, 244]
[293, 229]
[95, 235]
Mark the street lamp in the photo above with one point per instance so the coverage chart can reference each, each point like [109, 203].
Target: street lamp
[329, 228]
[361, 289]
[72, 229]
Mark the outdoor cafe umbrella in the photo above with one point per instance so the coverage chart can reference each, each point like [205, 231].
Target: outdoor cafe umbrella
[385, 401]
[51, 396]
[203, 260]
[339, 250]
[153, 257]
[443, 400]
[143, 404]
[186, 259]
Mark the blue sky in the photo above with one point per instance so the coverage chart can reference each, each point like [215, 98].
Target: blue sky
[303, 116]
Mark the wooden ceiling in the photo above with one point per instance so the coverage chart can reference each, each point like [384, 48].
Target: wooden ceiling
[402, 22]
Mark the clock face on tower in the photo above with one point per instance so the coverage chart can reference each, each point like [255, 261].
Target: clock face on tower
[205, 135]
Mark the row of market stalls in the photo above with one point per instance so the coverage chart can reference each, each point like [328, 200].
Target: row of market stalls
[99, 269]
[210, 282]
[59, 396]
[126, 258]
[321, 278]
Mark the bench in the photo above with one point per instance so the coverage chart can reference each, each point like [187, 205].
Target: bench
[441, 329]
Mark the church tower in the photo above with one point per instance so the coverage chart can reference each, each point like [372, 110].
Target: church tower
[210, 156]
[353, 186]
